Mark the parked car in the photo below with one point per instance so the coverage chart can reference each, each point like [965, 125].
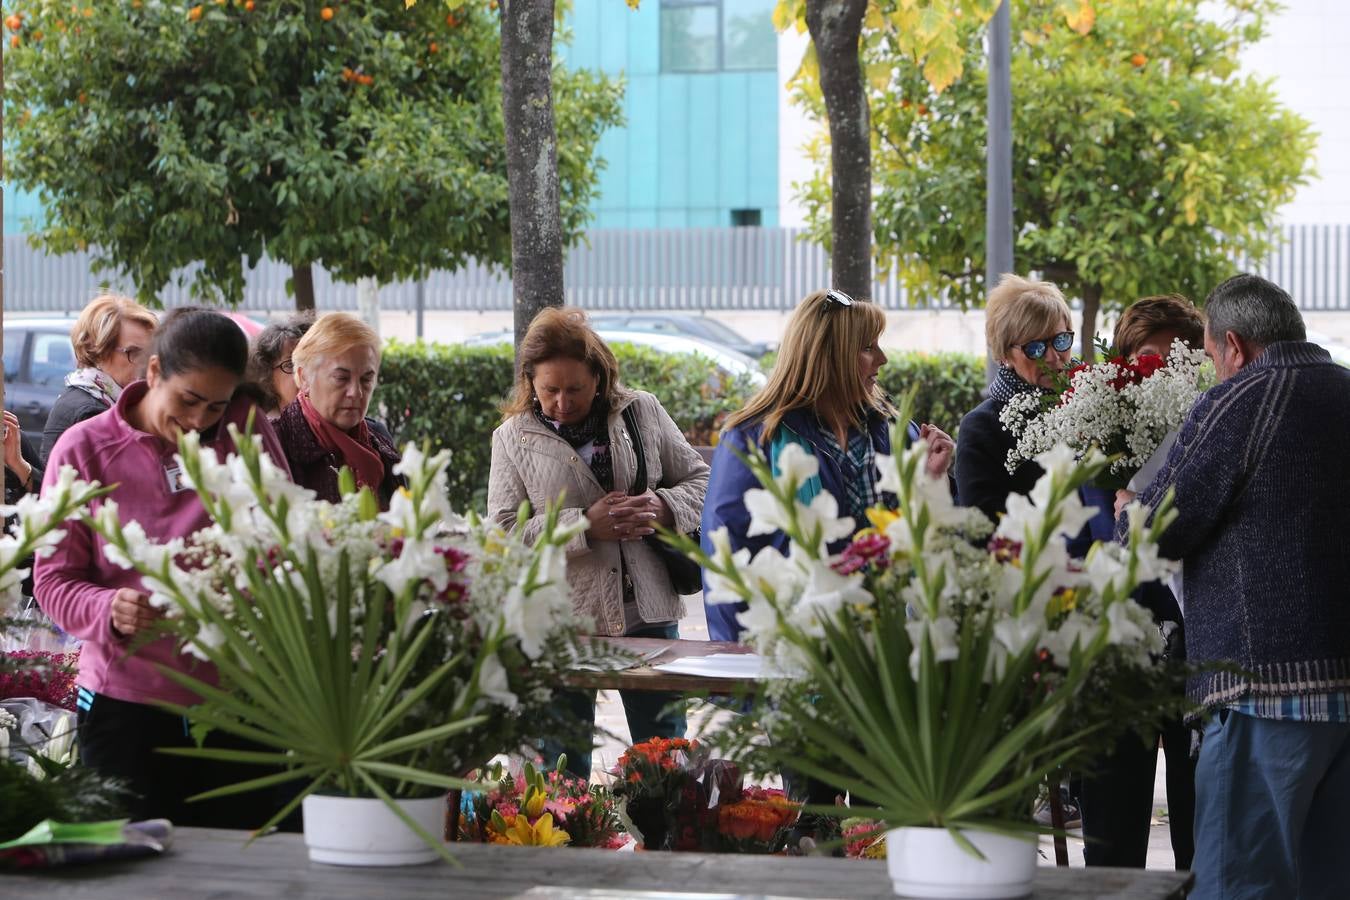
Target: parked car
[727, 360]
[703, 328]
[38, 357]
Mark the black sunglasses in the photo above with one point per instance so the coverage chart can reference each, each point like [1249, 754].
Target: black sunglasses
[833, 296]
[1036, 349]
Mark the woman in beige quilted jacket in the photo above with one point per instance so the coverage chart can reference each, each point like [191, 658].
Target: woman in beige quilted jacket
[563, 434]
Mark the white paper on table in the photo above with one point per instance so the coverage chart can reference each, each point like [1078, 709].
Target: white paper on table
[720, 665]
[1150, 469]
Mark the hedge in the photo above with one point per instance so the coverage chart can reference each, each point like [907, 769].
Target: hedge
[451, 395]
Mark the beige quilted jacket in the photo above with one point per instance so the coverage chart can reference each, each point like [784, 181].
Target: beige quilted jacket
[531, 462]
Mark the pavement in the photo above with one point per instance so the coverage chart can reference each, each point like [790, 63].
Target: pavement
[703, 718]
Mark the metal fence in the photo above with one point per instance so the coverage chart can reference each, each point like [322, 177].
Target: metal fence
[690, 268]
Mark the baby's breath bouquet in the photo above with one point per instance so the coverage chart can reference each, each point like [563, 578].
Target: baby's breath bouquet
[1129, 410]
[939, 667]
[382, 654]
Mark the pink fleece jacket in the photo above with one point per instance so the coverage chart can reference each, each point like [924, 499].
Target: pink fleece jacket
[76, 584]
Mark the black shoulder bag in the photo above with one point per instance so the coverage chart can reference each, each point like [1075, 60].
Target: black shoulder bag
[685, 575]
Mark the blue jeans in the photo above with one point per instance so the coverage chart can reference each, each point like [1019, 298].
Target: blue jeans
[1272, 799]
[642, 709]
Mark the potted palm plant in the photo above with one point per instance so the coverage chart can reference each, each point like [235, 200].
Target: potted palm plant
[373, 658]
[936, 675]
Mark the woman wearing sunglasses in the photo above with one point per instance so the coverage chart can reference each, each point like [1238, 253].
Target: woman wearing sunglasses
[822, 395]
[1029, 333]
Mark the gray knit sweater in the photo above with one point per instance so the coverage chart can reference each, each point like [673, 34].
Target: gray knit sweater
[1261, 471]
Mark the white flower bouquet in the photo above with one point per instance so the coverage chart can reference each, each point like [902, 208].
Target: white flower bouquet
[1126, 410]
[378, 654]
[937, 675]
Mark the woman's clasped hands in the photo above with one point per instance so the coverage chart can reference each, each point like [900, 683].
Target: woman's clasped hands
[620, 517]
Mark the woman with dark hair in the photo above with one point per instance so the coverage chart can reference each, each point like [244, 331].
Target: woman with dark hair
[1117, 792]
[571, 430]
[271, 367]
[195, 367]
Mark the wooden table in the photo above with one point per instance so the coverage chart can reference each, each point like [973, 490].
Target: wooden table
[209, 863]
[645, 678]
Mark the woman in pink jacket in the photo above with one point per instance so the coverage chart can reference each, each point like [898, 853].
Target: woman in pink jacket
[196, 365]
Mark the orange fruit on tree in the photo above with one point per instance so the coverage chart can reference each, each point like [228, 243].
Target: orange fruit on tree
[248, 6]
[433, 47]
[326, 14]
[13, 22]
[195, 13]
[14, 41]
[1138, 60]
[452, 20]
[82, 98]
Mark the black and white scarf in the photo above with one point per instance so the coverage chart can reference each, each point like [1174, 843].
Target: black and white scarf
[593, 430]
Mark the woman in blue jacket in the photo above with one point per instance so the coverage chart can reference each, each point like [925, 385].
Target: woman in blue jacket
[823, 395]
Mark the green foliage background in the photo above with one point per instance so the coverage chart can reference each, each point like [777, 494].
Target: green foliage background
[451, 395]
[163, 134]
[1144, 161]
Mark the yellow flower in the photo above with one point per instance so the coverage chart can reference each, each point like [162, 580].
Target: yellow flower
[881, 518]
[534, 802]
[1061, 603]
[541, 834]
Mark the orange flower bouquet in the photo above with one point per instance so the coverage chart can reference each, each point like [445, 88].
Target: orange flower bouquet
[756, 823]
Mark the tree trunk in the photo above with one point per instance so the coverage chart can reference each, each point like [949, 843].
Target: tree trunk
[835, 27]
[368, 302]
[531, 158]
[1092, 303]
[302, 284]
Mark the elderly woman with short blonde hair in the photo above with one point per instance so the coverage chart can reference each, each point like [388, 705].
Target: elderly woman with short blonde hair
[111, 341]
[325, 428]
[1030, 335]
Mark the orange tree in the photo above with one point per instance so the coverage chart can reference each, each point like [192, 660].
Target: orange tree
[359, 134]
[1143, 160]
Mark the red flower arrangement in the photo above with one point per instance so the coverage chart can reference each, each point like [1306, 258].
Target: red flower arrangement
[49, 677]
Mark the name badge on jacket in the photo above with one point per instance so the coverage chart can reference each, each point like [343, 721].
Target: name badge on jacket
[173, 475]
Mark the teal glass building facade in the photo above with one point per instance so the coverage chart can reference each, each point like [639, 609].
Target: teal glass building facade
[700, 147]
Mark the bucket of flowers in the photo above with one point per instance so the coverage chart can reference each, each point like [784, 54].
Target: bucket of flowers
[373, 658]
[526, 806]
[934, 675]
[1128, 410]
[756, 822]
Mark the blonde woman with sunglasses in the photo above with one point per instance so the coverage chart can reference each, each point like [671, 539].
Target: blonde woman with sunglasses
[822, 395]
[1030, 335]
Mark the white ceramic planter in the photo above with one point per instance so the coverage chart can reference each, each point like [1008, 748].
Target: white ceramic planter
[360, 831]
[927, 862]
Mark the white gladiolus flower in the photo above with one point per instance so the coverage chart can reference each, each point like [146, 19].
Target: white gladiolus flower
[941, 633]
[795, 466]
[494, 685]
[824, 512]
[418, 561]
[824, 594]
[766, 516]
[888, 473]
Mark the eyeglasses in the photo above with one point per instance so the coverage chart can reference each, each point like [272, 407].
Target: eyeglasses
[287, 366]
[833, 296]
[1036, 349]
[131, 353]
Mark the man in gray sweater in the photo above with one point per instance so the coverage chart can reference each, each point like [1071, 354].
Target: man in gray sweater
[1262, 484]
